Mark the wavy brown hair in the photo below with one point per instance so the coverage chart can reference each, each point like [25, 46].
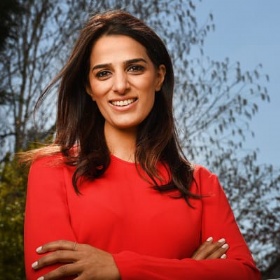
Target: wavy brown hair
[81, 125]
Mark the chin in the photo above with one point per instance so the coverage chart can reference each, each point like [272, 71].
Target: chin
[126, 126]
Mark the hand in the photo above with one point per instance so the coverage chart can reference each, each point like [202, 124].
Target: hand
[211, 250]
[80, 260]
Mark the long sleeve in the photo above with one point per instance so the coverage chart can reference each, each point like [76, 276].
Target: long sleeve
[47, 215]
[217, 221]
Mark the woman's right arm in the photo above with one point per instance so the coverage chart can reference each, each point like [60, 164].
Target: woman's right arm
[46, 216]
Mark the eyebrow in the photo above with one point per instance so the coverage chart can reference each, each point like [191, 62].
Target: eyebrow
[127, 62]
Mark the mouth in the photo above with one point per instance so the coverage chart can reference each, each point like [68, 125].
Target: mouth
[122, 103]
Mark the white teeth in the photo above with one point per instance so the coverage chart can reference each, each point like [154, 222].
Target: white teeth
[123, 102]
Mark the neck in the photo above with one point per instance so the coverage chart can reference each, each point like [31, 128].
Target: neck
[121, 143]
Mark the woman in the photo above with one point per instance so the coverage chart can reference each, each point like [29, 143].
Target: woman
[113, 197]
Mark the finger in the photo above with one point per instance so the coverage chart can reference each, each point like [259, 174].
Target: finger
[217, 249]
[211, 250]
[220, 252]
[199, 253]
[57, 245]
[62, 272]
[59, 256]
[223, 256]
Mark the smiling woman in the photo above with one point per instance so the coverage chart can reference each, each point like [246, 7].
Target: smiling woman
[114, 197]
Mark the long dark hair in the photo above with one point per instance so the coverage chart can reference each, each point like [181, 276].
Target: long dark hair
[81, 125]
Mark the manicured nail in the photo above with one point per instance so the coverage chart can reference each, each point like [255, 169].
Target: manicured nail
[34, 265]
[41, 278]
[224, 256]
[225, 246]
[39, 249]
[222, 240]
[209, 239]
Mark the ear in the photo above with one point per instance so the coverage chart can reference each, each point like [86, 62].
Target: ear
[160, 76]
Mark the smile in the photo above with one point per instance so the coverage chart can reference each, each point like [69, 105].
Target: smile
[122, 103]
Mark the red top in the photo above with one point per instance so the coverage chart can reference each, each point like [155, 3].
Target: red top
[151, 235]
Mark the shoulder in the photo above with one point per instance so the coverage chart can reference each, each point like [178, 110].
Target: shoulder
[49, 173]
[47, 165]
[54, 160]
[201, 172]
[206, 181]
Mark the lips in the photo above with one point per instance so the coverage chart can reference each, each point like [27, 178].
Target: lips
[122, 103]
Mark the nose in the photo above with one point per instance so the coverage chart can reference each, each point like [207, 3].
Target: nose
[120, 83]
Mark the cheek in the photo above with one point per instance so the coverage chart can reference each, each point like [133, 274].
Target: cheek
[99, 89]
[98, 97]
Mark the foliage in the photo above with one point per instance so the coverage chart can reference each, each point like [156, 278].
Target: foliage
[214, 103]
[12, 198]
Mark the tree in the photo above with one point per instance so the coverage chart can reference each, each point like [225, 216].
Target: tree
[253, 191]
[9, 9]
[214, 102]
[32, 57]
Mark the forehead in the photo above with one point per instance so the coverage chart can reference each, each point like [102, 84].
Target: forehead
[110, 48]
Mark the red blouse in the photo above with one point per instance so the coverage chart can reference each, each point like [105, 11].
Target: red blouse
[151, 236]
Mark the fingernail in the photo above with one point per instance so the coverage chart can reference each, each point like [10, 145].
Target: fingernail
[224, 256]
[34, 265]
[209, 239]
[41, 278]
[39, 249]
[225, 246]
[222, 240]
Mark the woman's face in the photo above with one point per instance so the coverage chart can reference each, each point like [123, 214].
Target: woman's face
[123, 81]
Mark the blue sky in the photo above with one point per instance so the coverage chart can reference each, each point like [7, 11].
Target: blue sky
[248, 31]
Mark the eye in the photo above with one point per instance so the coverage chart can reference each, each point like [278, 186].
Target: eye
[136, 68]
[103, 74]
